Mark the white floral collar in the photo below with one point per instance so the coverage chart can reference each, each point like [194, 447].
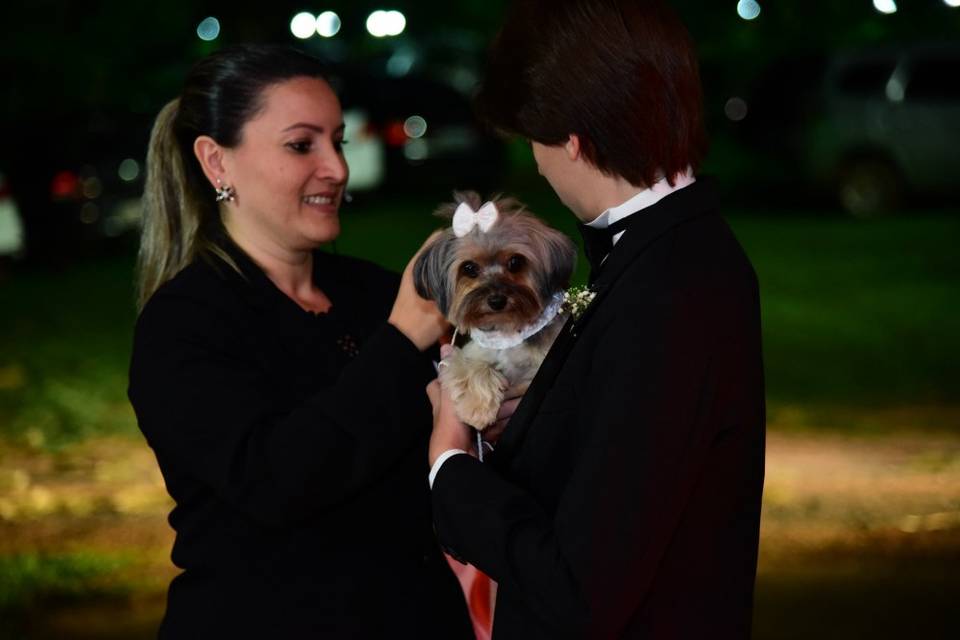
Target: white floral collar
[508, 339]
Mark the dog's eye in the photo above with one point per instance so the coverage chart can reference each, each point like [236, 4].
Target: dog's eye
[516, 263]
[470, 269]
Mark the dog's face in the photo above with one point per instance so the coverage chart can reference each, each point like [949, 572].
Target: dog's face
[498, 280]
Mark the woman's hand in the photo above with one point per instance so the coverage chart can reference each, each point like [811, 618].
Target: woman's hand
[416, 318]
[448, 431]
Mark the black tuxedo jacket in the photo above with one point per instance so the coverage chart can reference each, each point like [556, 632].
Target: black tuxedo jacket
[623, 499]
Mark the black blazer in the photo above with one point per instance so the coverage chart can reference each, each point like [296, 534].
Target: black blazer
[294, 446]
[623, 499]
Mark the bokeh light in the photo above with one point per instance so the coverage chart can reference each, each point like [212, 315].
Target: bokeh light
[208, 29]
[895, 90]
[416, 150]
[328, 24]
[885, 6]
[748, 9]
[735, 109]
[89, 213]
[415, 126]
[381, 23]
[129, 170]
[303, 25]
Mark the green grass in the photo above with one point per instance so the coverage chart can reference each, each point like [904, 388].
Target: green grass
[60, 576]
[64, 348]
[856, 314]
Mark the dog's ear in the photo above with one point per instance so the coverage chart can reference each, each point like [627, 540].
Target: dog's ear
[562, 259]
[431, 268]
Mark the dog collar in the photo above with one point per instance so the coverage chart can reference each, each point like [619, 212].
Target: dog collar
[508, 339]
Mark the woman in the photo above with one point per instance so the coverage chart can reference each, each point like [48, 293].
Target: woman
[281, 387]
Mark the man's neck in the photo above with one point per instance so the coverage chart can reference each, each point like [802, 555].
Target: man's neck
[605, 192]
[621, 198]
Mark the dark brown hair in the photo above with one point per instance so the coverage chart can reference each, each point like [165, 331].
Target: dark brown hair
[620, 74]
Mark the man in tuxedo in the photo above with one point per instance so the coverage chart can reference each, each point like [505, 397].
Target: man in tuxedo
[623, 498]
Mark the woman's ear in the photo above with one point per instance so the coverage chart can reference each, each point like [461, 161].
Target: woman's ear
[210, 154]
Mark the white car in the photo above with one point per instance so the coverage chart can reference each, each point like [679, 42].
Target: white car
[364, 152]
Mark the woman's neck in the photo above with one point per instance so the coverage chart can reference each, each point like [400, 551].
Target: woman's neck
[290, 270]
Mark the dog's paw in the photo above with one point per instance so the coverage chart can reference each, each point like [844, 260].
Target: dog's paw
[477, 391]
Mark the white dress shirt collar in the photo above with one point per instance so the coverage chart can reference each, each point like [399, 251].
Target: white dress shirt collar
[642, 200]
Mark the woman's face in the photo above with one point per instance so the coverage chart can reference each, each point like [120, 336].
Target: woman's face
[288, 169]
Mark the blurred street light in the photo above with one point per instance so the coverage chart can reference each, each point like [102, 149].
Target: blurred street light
[735, 109]
[129, 170]
[885, 6]
[328, 24]
[303, 25]
[415, 126]
[748, 9]
[386, 23]
[208, 29]
[952, 3]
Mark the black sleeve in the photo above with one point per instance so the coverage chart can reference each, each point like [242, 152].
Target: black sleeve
[583, 569]
[204, 406]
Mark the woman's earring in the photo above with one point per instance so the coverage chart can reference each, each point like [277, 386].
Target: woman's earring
[225, 192]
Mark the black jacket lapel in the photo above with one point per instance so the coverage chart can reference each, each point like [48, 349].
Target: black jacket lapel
[681, 206]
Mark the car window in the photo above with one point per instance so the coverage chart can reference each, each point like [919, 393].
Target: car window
[934, 78]
[865, 79]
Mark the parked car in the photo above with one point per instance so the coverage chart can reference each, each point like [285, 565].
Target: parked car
[872, 127]
[429, 136]
[76, 181]
[364, 151]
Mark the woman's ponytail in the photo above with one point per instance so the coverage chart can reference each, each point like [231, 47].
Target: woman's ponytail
[171, 212]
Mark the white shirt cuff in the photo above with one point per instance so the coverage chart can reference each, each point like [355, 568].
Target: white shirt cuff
[435, 469]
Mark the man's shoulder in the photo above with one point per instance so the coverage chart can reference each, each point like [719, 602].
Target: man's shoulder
[701, 253]
[698, 269]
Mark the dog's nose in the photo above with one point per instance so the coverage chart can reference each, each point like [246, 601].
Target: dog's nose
[497, 301]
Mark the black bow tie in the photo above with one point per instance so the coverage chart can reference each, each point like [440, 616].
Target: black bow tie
[597, 243]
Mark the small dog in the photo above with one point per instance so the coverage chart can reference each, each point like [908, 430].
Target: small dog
[498, 274]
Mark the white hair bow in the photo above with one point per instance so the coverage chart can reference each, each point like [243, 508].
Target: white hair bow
[465, 218]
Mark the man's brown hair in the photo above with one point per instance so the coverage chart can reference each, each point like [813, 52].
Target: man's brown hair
[620, 74]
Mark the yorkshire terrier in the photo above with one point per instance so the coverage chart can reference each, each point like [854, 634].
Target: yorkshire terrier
[498, 275]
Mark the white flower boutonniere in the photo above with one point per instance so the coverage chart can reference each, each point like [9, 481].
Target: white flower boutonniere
[577, 299]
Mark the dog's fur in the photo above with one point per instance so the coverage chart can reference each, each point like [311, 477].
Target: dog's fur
[500, 280]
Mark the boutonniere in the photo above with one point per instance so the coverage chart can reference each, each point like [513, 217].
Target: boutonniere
[577, 299]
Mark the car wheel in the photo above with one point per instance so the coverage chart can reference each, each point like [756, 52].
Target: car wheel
[869, 187]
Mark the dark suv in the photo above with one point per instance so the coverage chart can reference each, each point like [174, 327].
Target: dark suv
[872, 126]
